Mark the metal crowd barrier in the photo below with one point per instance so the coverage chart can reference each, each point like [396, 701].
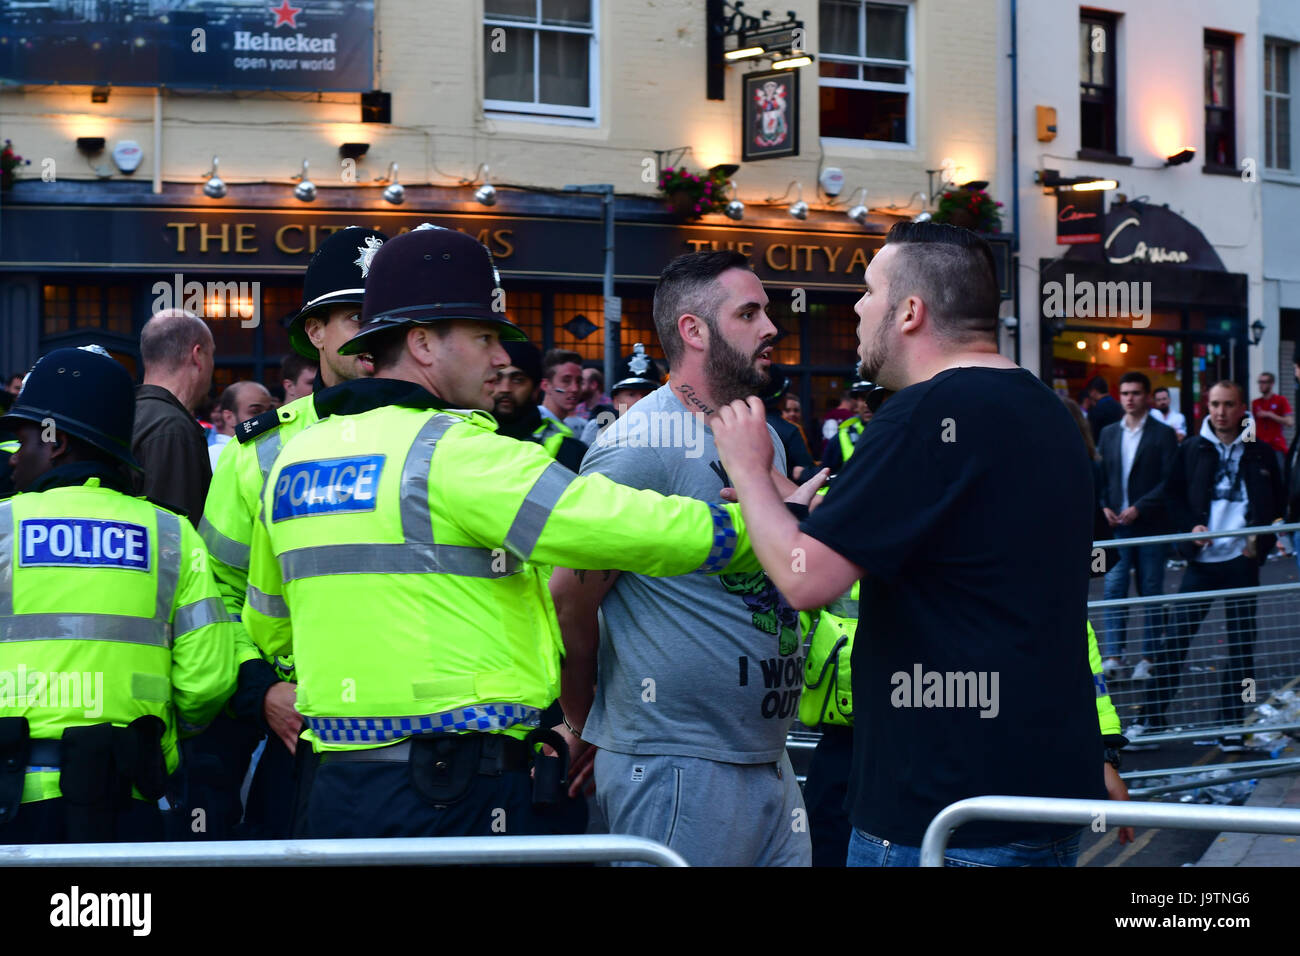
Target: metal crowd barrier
[423, 851]
[1115, 813]
[1193, 710]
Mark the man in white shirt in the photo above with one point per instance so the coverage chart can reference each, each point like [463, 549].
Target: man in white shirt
[1137, 453]
[238, 403]
[1162, 412]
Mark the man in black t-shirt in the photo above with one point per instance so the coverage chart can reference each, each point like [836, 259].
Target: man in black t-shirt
[967, 514]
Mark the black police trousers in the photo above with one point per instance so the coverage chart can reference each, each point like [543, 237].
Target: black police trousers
[824, 794]
[357, 800]
[45, 821]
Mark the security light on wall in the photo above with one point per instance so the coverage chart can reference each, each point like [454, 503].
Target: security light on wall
[215, 187]
[1184, 155]
[393, 193]
[305, 191]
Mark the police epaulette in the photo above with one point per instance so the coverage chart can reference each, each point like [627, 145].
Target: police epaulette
[247, 431]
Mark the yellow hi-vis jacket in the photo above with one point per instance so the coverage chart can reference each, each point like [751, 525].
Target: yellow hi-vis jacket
[827, 697]
[849, 431]
[112, 615]
[1105, 709]
[235, 497]
[408, 559]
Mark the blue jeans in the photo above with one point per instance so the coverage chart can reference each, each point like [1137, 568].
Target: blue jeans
[1149, 561]
[868, 850]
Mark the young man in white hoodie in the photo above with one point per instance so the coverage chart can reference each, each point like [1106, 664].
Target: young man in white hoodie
[1222, 480]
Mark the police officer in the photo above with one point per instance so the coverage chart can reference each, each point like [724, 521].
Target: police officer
[850, 430]
[514, 406]
[402, 556]
[264, 703]
[638, 377]
[112, 637]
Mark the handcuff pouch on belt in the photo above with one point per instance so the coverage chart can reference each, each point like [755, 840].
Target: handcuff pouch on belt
[15, 746]
[98, 765]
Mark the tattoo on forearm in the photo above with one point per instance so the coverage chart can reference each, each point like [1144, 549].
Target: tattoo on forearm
[690, 398]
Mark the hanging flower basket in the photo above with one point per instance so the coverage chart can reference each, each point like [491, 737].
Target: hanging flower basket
[690, 195]
[9, 163]
[972, 209]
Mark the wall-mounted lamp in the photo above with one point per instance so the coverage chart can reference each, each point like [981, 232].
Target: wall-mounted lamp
[487, 193]
[858, 212]
[799, 208]
[99, 94]
[792, 63]
[1081, 345]
[735, 208]
[1105, 343]
[1123, 343]
[1256, 332]
[976, 184]
[393, 193]
[1184, 155]
[376, 107]
[305, 191]
[90, 145]
[354, 150]
[1051, 179]
[215, 187]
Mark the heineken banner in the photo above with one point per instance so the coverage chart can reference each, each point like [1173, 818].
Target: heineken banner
[238, 44]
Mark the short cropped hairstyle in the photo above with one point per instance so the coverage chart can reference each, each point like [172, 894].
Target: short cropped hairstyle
[169, 336]
[1137, 377]
[1159, 389]
[1228, 383]
[1098, 384]
[688, 286]
[554, 358]
[293, 365]
[952, 271]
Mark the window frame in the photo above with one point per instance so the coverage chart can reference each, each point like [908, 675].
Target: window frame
[1217, 40]
[1108, 95]
[1282, 51]
[547, 112]
[908, 87]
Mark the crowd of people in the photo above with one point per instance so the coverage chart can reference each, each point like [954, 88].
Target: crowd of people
[1152, 479]
[440, 589]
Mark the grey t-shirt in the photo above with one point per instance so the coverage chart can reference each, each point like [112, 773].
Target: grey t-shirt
[699, 665]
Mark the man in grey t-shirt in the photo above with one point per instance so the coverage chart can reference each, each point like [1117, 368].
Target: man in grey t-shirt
[699, 676]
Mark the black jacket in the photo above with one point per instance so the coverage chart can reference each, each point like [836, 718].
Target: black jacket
[796, 449]
[1152, 463]
[171, 447]
[1106, 410]
[1190, 489]
[571, 450]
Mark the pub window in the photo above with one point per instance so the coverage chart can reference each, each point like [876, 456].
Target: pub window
[65, 308]
[1220, 114]
[1277, 105]
[1097, 82]
[279, 303]
[865, 86]
[524, 309]
[579, 324]
[538, 57]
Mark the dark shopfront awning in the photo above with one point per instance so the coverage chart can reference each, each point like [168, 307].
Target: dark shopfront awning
[1145, 243]
[85, 227]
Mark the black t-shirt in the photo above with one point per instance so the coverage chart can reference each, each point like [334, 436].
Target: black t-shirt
[796, 449]
[968, 501]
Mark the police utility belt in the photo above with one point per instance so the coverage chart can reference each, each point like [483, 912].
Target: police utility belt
[442, 767]
[98, 766]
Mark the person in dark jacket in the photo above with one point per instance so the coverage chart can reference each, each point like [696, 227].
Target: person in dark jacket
[1137, 453]
[515, 405]
[1104, 409]
[1293, 479]
[168, 442]
[798, 459]
[1219, 482]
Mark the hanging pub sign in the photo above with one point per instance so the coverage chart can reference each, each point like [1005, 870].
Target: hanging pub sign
[769, 115]
[238, 44]
[1078, 217]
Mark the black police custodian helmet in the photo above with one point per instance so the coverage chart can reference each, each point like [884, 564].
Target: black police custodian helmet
[862, 387]
[336, 275]
[639, 372]
[87, 395]
[428, 275]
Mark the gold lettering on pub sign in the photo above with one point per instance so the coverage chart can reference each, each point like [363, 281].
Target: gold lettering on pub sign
[296, 238]
[792, 256]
